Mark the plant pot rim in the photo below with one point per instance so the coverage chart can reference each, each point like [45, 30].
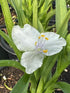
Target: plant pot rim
[6, 47]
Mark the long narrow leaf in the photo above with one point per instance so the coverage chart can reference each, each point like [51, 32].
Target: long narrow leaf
[40, 26]
[65, 87]
[17, 4]
[61, 12]
[47, 2]
[22, 85]
[35, 15]
[63, 26]
[12, 64]
[41, 2]
[7, 16]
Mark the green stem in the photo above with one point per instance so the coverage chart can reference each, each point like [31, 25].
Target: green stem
[7, 16]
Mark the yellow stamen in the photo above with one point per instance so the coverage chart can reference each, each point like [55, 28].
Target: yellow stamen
[35, 43]
[45, 51]
[46, 38]
[42, 35]
[39, 37]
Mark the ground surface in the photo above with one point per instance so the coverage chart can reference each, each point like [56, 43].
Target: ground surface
[12, 76]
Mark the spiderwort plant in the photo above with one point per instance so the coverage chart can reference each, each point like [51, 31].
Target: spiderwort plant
[37, 48]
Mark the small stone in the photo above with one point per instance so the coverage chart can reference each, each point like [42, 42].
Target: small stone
[66, 70]
[4, 77]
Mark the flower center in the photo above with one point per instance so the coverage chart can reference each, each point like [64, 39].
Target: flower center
[40, 44]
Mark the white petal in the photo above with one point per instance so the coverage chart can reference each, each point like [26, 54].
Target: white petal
[31, 61]
[24, 38]
[53, 51]
[55, 43]
[31, 32]
[50, 35]
[54, 46]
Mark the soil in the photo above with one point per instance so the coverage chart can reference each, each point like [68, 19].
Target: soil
[12, 75]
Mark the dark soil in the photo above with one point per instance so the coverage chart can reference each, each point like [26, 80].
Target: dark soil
[12, 76]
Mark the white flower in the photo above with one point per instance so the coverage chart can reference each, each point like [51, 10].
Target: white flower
[35, 45]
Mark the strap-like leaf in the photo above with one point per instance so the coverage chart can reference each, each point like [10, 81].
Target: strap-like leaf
[63, 26]
[41, 2]
[65, 87]
[35, 10]
[61, 12]
[17, 4]
[7, 16]
[47, 2]
[11, 63]
[40, 26]
[22, 85]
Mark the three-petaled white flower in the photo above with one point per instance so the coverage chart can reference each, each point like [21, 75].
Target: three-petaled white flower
[35, 45]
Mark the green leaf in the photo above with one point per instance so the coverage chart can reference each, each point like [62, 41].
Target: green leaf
[41, 2]
[12, 64]
[50, 14]
[10, 42]
[63, 62]
[63, 26]
[22, 85]
[47, 2]
[33, 83]
[65, 87]
[35, 10]
[61, 11]
[61, 65]
[29, 2]
[7, 16]
[68, 44]
[50, 27]
[17, 4]
[48, 63]
[40, 26]
[27, 6]
[43, 13]
[40, 86]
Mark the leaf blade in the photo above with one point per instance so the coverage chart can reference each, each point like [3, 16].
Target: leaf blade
[22, 85]
[11, 63]
[65, 87]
